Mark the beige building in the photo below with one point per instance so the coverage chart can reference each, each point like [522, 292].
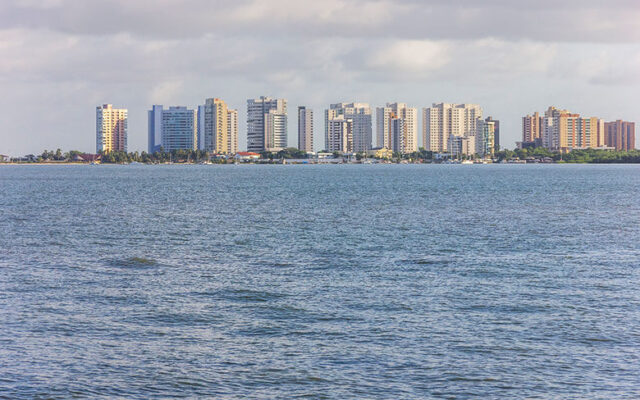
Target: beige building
[111, 128]
[531, 127]
[384, 127]
[232, 129]
[444, 119]
[217, 127]
[564, 131]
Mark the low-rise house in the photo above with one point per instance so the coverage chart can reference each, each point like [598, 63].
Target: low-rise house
[86, 157]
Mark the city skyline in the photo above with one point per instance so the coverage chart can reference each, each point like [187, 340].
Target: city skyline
[586, 56]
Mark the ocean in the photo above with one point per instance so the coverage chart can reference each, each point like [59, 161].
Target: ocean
[320, 281]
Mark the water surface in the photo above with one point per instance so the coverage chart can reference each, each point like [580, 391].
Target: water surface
[320, 282]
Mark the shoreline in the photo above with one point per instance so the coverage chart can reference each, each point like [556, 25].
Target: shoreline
[309, 163]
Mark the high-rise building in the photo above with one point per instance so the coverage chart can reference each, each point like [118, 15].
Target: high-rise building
[360, 115]
[384, 118]
[496, 133]
[111, 128]
[532, 128]
[305, 129]
[179, 129]
[275, 124]
[442, 120]
[213, 129]
[398, 133]
[266, 116]
[620, 134]
[485, 137]
[175, 128]
[339, 135]
[154, 129]
[232, 126]
[565, 131]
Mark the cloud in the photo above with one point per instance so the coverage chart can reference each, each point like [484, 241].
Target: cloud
[513, 56]
[543, 20]
[414, 57]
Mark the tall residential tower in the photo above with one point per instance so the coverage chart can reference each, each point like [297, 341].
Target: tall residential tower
[444, 120]
[111, 128]
[305, 129]
[266, 124]
[217, 127]
[385, 117]
[360, 116]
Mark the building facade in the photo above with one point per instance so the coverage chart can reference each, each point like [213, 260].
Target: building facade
[563, 130]
[154, 125]
[360, 116]
[385, 116]
[532, 128]
[496, 133]
[258, 120]
[461, 145]
[621, 135]
[305, 129]
[179, 129]
[339, 136]
[232, 125]
[213, 126]
[485, 137]
[111, 128]
[444, 119]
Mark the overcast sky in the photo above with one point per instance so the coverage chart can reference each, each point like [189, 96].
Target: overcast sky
[59, 59]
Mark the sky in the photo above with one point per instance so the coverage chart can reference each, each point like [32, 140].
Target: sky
[59, 59]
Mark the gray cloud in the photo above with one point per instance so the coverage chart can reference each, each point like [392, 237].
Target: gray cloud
[63, 57]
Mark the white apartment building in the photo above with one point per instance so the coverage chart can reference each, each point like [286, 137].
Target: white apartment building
[360, 115]
[384, 137]
[305, 129]
[111, 128]
[339, 136]
[258, 118]
[444, 119]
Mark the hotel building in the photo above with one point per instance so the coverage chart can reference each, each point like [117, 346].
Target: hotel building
[111, 128]
[266, 124]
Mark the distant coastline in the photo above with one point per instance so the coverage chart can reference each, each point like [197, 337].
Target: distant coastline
[295, 156]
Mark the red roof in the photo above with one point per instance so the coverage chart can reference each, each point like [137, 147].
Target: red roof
[247, 153]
